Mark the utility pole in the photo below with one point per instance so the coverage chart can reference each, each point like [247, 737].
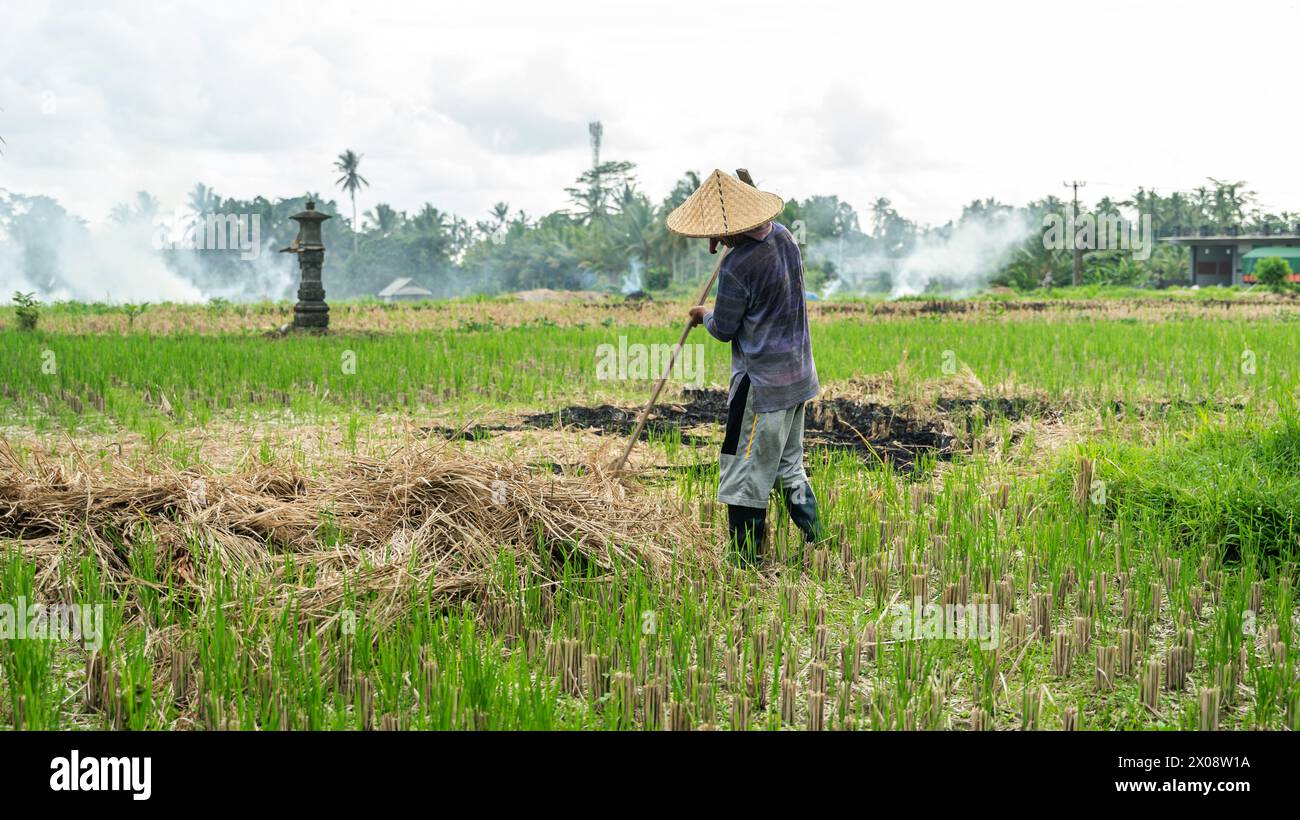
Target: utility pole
[597, 132]
[1077, 279]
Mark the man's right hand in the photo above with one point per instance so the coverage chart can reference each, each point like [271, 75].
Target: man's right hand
[697, 315]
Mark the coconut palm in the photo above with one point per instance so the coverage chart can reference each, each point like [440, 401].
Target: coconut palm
[384, 219]
[637, 226]
[675, 245]
[1230, 201]
[429, 220]
[351, 180]
[500, 214]
[144, 210]
[203, 200]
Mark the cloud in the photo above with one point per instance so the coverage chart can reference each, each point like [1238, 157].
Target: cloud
[856, 132]
[529, 106]
[465, 106]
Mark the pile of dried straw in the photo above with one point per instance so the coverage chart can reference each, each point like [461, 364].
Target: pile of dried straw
[434, 519]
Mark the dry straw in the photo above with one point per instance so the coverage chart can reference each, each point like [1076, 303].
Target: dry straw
[436, 520]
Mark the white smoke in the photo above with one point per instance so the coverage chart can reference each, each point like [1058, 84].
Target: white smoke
[117, 263]
[956, 261]
[965, 260]
[264, 273]
[12, 277]
[61, 259]
[632, 281]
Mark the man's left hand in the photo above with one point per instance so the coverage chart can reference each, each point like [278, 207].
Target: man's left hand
[697, 314]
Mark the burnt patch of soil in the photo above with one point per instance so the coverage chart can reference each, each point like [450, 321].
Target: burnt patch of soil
[1011, 409]
[478, 432]
[1160, 409]
[970, 414]
[610, 420]
[871, 431]
[874, 432]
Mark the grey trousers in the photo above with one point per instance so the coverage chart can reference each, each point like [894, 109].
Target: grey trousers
[760, 451]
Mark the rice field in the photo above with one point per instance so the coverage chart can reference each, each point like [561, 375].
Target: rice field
[1067, 513]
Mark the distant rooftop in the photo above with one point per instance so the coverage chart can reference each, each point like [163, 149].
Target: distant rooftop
[1231, 239]
[404, 286]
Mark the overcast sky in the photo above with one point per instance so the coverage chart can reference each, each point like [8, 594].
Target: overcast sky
[465, 104]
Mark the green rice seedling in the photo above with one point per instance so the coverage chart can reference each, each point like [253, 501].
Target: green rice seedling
[134, 706]
[27, 654]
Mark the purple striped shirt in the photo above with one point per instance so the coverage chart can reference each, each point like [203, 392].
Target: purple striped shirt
[760, 309]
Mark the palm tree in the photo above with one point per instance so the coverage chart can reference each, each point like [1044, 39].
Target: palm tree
[461, 235]
[1201, 205]
[144, 210]
[203, 200]
[384, 219]
[676, 244]
[641, 232]
[347, 164]
[430, 219]
[500, 214]
[1229, 201]
[598, 183]
[1179, 212]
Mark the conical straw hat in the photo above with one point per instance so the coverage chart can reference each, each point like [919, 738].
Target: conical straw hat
[723, 206]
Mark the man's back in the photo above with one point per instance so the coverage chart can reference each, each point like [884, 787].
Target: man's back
[761, 310]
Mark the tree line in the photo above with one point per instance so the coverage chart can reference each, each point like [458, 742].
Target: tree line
[612, 236]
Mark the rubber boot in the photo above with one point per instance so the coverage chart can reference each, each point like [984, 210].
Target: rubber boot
[802, 506]
[747, 527]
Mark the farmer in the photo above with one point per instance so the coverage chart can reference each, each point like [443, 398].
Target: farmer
[761, 311]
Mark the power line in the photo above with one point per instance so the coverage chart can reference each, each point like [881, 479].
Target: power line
[1167, 190]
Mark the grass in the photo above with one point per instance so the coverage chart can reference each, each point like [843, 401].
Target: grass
[1143, 564]
[1096, 362]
